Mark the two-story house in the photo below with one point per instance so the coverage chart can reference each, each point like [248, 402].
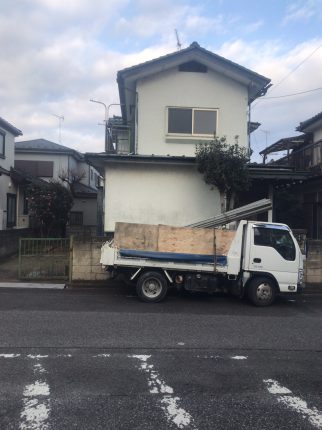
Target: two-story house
[169, 105]
[48, 161]
[9, 190]
[304, 152]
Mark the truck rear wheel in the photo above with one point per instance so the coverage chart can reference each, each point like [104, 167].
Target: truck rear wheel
[152, 287]
[261, 291]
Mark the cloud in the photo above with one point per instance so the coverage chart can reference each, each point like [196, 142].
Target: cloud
[57, 54]
[302, 11]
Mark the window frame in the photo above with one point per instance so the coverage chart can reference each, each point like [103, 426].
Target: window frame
[3, 138]
[192, 134]
[286, 254]
[76, 218]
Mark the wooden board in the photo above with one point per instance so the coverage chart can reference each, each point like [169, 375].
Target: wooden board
[165, 238]
[223, 241]
[136, 236]
[186, 240]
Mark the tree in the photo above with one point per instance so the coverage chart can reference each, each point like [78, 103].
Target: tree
[224, 166]
[49, 204]
[72, 177]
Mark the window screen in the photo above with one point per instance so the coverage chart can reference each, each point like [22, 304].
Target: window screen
[204, 122]
[180, 120]
[192, 121]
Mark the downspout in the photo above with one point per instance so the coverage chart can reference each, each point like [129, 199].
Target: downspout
[136, 129]
[248, 129]
[17, 208]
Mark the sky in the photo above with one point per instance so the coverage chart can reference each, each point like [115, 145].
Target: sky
[56, 55]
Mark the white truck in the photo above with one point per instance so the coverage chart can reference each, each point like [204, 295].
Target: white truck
[259, 259]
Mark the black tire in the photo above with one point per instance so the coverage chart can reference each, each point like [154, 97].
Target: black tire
[152, 287]
[261, 291]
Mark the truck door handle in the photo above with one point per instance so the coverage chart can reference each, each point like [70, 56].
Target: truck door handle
[257, 260]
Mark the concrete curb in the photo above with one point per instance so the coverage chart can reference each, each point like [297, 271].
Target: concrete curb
[31, 285]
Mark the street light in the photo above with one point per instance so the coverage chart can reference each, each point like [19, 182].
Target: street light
[107, 110]
[106, 117]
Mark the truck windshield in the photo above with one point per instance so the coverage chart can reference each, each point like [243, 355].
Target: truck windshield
[280, 240]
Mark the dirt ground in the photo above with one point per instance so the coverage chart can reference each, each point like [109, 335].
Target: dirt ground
[9, 268]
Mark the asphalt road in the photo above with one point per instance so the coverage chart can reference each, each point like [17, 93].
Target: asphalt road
[100, 359]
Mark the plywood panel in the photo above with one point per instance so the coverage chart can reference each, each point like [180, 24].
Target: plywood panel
[165, 238]
[223, 241]
[136, 236]
[186, 240]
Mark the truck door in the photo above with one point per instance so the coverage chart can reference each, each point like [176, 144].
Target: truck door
[273, 250]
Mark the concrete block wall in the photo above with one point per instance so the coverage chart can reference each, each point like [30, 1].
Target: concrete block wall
[86, 260]
[313, 266]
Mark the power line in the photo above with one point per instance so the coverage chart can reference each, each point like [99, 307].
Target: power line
[289, 74]
[296, 67]
[293, 94]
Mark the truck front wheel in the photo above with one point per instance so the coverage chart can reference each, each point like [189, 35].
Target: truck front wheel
[151, 287]
[261, 291]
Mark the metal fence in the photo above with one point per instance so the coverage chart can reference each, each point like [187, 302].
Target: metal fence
[45, 258]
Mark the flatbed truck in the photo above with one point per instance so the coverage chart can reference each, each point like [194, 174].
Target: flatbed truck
[262, 260]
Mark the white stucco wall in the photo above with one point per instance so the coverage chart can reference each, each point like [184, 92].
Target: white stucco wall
[60, 162]
[6, 184]
[89, 209]
[154, 194]
[186, 89]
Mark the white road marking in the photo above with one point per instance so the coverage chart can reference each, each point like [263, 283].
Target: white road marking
[239, 357]
[101, 355]
[170, 404]
[36, 402]
[285, 396]
[9, 355]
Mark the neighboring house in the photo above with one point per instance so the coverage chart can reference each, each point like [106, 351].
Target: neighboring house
[169, 105]
[48, 161]
[304, 152]
[11, 209]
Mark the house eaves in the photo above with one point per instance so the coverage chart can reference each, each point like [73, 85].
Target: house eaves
[276, 173]
[257, 84]
[4, 171]
[100, 160]
[10, 128]
[272, 174]
[81, 190]
[286, 143]
[311, 123]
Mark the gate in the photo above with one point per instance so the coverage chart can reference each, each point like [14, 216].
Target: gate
[45, 258]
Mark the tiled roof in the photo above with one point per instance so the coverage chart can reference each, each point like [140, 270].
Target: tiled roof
[43, 145]
[193, 47]
[303, 125]
[81, 189]
[9, 127]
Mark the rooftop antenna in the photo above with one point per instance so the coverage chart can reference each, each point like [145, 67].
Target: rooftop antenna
[178, 40]
[60, 119]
